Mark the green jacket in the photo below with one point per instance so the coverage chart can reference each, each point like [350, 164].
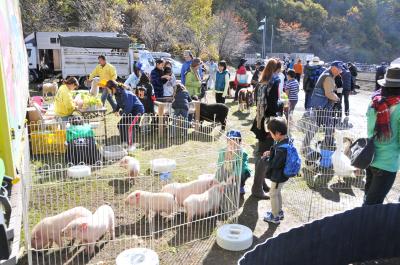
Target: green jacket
[238, 168]
[386, 153]
[192, 84]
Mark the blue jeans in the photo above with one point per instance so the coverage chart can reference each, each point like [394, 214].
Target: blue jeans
[105, 95]
[181, 112]
[377, 185]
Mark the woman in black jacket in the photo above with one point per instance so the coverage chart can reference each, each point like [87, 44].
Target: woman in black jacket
[267, 106]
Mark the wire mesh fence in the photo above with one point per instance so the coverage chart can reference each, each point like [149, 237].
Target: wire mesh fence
[328, 183]
[97, 187]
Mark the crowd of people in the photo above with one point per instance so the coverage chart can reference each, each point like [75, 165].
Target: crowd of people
[276, 85]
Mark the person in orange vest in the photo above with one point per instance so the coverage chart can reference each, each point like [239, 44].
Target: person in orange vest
[298, 69]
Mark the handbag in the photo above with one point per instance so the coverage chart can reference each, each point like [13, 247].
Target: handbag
[362, 152]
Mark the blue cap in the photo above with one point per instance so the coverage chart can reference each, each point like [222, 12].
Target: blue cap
[139, 66]
[234, 134]
[338, 64]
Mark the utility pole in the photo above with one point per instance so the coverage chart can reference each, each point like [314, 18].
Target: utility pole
[272, 35]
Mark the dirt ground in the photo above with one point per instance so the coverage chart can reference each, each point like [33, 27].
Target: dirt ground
[302, 203]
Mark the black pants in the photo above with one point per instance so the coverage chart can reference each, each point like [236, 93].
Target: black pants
[307, 101]
[123, 128]
[219, 98]
[378, 184]
[298, 76]
[346, 95]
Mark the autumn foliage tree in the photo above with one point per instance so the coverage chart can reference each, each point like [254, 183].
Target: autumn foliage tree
[230, 34]
[293, 35]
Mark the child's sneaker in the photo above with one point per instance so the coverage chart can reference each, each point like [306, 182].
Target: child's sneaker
[281, 215]
[242, 190]
[269, 217]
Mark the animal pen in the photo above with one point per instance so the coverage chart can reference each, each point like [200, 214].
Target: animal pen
[327, 183]
[72, 166]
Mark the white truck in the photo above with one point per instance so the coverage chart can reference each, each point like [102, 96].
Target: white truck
[76, 53]
[252, 58]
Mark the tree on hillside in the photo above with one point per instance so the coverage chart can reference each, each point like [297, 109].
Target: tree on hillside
[72, 15]
[293, 36]
[158, 28]
[231, 35]
[195, 16]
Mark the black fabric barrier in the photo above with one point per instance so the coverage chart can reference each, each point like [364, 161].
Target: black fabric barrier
[362, 234]
[94, 42]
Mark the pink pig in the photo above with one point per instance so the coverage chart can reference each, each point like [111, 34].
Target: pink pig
[184, 190]
[49, 229]
[90, 229]
[163, 203]
[131, 164]
[201, 204]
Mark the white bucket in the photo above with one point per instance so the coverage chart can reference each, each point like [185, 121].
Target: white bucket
[137, 256]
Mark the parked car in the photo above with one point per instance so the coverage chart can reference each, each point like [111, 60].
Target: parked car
[176, 65]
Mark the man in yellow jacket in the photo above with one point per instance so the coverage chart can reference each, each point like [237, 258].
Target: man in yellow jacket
[105, 72]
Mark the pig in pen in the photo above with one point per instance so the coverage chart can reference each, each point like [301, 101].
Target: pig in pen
[91, 194]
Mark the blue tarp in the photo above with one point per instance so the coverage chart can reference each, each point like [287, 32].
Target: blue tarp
[362, 234]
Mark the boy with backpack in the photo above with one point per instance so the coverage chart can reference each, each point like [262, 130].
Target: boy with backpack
[283, 162]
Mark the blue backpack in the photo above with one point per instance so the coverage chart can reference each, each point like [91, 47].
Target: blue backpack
[314, 76]
[293, 161]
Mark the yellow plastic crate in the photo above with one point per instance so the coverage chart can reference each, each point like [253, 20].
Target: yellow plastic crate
[48, 142]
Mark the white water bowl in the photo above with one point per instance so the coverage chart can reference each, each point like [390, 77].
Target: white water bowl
[80, 171]
[137, 256]
[234, 237]
[163, 165]
[113, 152]
[206, 176]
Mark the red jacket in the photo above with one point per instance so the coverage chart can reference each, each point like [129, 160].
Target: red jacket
[240, 71]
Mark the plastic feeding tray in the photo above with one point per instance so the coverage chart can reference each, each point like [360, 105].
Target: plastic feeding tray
[113, 152]
[138, 256]
[164, 166]
[80, 171]
[234, 237]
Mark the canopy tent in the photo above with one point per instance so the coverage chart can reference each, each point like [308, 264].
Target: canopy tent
[94, 42]
[362, 234]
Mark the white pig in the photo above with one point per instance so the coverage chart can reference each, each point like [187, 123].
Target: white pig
[151, 202]
[201, 204]
[183, 190]
[90, 229]
[49, 229]
[131, 164]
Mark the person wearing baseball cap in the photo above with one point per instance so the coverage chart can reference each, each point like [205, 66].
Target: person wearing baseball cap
[322, 102]
[229, 159]
[383, 118]
[133, 78]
